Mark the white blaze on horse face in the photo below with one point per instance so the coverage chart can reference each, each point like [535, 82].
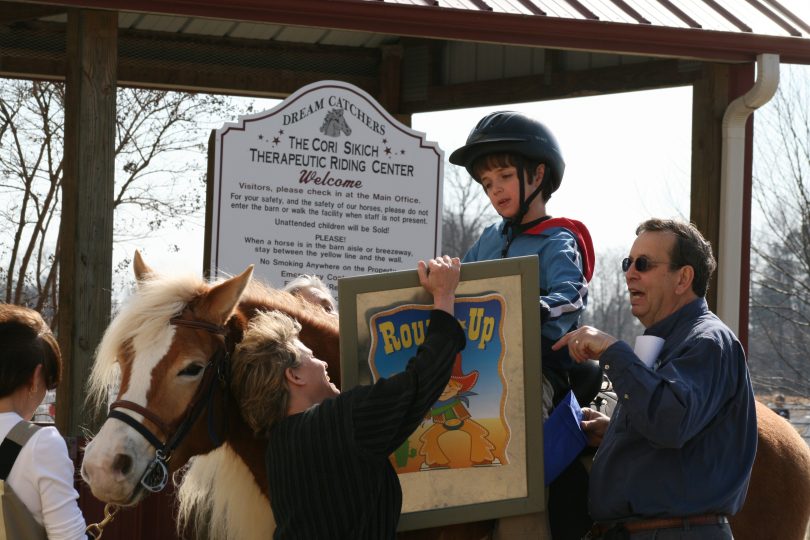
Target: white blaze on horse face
[118, 455]
[148, 352]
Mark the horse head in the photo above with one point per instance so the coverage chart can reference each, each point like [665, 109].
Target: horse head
[334, 124]
[164, 351]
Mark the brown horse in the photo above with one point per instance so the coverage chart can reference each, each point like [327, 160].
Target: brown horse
[165, 352]
[778, 501]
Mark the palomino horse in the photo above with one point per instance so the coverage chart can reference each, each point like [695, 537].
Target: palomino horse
[166, 349]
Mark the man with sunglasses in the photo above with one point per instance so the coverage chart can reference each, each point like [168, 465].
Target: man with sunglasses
[675, 459]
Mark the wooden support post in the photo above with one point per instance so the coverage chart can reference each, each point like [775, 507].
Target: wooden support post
[85, 273]
[713, 92]
[709, 102]
[390, 82]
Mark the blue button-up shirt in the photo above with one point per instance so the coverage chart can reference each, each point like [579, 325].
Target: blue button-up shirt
[683, 436]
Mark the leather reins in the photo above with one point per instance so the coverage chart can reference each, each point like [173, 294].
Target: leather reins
[156, 475]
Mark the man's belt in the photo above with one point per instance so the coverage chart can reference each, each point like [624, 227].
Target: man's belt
[658, 523]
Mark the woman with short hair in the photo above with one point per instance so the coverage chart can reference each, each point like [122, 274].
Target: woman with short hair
[42, 473]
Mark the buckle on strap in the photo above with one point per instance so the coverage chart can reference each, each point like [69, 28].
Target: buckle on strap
[156, 475]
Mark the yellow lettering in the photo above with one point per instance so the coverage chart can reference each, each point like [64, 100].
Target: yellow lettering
[405, 336]
[418, 332]
[390, 340]
[476, 314]
[489, 329]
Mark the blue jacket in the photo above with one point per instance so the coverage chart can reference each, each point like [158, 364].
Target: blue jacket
[683, 436]
[566, 256]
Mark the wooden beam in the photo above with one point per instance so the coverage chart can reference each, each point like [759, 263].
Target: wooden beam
[710, 98]
[391, 82]
[196, 63]
[231, 65]
[244, 82]
[557, 85]
[86, 231]
[14, 12]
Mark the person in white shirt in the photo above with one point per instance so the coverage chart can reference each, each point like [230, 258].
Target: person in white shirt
[42, 475]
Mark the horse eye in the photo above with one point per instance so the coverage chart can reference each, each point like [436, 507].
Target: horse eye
[190, 370]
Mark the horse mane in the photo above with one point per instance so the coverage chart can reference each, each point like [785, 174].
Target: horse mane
[207, 503]
[143, 317]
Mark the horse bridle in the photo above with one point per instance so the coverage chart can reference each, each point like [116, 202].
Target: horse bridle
[156, 475]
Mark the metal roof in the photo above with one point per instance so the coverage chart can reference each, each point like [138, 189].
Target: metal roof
[763, 17]
[715, 30]
[766, 17]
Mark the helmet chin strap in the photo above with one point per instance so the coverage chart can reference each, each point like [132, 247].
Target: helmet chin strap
[514, 225]
[515, 221]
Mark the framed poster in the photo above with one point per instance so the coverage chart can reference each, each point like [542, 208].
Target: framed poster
[478, 454]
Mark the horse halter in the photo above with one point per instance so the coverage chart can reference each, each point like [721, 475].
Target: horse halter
[156, 475]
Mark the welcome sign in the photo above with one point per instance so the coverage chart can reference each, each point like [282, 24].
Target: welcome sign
[325, 183]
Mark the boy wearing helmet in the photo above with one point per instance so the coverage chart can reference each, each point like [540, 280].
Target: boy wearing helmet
[519, 164]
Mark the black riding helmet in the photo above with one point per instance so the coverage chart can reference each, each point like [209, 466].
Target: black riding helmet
[513, 133]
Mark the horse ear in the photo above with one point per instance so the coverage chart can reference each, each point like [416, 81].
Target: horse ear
[222, 299]
[140, 267]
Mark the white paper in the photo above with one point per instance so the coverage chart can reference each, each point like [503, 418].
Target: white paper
[647, 349]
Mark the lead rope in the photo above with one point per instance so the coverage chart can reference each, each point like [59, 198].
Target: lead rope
[96, 530]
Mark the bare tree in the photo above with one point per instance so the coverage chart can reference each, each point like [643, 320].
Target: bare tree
[780, 272]
[160, 143]
[466, 212]
[31, 141]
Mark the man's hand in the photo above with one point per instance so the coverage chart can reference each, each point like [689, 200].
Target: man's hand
[440, 278]
[585, 343]
[594, 425]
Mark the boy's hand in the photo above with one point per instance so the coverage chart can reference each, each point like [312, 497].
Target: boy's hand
[440, 278]
[585, 343]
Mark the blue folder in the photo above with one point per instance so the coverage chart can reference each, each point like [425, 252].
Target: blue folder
[563, 439]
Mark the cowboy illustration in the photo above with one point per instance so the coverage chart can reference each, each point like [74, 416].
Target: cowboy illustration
[450, 413]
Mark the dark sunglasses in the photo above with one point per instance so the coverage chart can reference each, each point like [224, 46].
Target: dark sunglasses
[642, 264]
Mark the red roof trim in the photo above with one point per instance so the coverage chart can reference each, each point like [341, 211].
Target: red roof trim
[458, 24]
